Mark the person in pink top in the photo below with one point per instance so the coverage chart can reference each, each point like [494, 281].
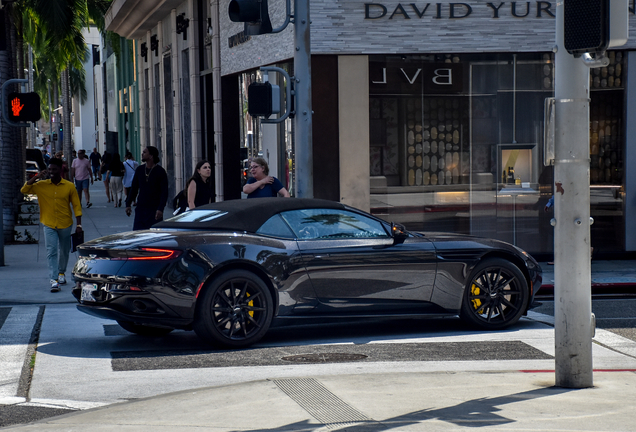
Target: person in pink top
[81, 173]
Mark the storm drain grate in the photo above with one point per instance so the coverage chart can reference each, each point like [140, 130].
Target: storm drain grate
[323, 405]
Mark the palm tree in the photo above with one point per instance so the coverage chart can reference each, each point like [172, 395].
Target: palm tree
[9, 136]
[62, 21]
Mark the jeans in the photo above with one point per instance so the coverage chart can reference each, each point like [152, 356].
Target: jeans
[80, 185]
[58, 247]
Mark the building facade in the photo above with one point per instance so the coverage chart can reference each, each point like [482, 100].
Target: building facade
[437, 110]
[426, 114]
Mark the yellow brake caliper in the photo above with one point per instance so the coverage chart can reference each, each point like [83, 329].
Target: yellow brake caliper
[474, 290]
[250, 304]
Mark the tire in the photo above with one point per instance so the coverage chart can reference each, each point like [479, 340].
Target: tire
[235, 311]
[496, 295]
[144, 330]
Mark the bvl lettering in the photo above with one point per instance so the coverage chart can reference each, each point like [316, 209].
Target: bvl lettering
[442, 76]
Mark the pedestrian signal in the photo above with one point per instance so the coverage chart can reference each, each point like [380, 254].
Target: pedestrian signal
[24, 107]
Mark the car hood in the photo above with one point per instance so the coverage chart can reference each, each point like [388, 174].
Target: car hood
[447, 241]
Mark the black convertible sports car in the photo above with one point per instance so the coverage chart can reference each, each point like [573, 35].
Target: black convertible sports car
[228, 269]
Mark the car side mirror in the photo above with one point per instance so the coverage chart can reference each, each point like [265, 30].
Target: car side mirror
[398, 232]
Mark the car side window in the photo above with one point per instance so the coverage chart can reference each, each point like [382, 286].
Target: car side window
[276, 227]
[311, 224]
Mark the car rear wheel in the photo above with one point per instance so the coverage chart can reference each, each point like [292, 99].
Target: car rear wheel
[496, 295]
[235, 311]
[144, 330]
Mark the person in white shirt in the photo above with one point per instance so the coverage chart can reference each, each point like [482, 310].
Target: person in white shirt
[130, 165]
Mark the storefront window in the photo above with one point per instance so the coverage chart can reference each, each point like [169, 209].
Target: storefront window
[607, 143]
[457, 142]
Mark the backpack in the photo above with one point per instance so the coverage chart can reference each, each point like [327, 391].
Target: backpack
[180, 202]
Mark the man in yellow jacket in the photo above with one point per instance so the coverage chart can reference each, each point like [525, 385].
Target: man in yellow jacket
[55, 197]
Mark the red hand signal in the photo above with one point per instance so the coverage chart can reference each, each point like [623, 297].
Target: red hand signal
[16, 107]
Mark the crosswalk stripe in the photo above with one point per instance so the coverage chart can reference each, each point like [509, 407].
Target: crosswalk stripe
[14, 342]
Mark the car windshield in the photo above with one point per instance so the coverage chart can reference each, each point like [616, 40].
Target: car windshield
[197, 216]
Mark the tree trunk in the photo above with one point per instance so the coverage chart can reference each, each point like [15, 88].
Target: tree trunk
[8, 142]
[66, 117]
[57, 114]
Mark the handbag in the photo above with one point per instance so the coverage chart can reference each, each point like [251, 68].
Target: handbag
[77, 238]
[180, 202]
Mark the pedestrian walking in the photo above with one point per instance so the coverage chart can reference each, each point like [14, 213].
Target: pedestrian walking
[104, 171]
[81, 175]
[55, 198]
[150, 182]
[116, 176]
[199, 185]
[65, 171]
[96, 161]
[130, 165]
[261, 184]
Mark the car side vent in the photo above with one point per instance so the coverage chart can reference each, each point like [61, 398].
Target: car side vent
[458, 255]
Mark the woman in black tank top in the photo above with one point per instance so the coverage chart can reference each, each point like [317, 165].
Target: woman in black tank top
[199, 185]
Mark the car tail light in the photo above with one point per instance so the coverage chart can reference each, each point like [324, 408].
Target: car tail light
[153, 254]
[145, 254]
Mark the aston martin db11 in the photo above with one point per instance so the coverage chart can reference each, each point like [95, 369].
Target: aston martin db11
[227, 270]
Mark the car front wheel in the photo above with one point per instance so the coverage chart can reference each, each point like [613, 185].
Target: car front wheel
[496, 295]
[235, 311]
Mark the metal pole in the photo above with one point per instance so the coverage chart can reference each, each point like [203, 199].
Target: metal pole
[302, 73]
[51, 145]
[217, 101]
[32, 136]
[572, 271]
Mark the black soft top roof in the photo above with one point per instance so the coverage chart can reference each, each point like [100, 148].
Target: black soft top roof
[242, 214]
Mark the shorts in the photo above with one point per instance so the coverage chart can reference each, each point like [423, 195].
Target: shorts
[96, 169]
[81, 184]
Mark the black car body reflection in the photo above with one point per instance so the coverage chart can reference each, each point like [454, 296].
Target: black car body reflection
[227, 270]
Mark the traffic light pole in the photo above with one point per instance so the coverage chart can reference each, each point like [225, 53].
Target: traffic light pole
[302, 73]
[573, 320]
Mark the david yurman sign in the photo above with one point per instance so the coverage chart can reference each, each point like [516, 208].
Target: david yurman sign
[517, 9]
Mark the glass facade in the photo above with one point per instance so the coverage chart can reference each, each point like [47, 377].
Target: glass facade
[457, 145]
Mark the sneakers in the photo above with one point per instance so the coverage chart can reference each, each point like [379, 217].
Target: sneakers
[88, 205]
[55, 287]
[61, 279]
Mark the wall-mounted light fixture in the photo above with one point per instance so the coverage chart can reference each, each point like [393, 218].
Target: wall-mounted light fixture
[144, 51]
[182, 25]
[154, 44]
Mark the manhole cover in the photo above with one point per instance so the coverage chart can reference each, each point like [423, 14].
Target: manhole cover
[324, 358]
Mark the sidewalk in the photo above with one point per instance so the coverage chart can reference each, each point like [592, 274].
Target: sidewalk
[25, 276]
[449, 401]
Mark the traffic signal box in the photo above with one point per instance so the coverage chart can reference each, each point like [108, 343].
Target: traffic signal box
[593, 26]
[263, 99]
[253, 13]
[24, 107]
[586, 26]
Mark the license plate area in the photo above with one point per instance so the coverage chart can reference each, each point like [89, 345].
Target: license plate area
[87, 291]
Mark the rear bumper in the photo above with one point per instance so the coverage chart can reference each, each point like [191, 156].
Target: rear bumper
[112, 314]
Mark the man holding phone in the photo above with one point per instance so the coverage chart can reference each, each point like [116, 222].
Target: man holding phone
[55, 197]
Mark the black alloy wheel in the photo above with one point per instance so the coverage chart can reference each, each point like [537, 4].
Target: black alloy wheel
[496, 295]
[144, 330]
[235, 311]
